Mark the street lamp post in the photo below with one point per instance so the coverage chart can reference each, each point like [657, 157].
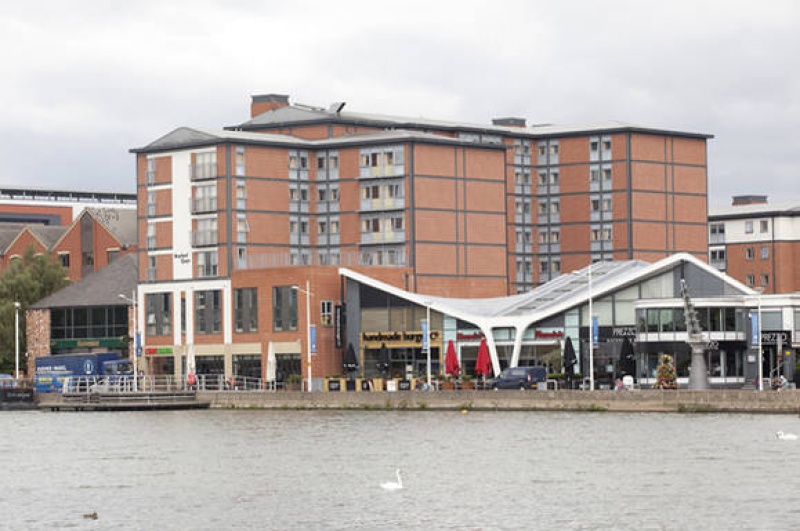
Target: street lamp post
[135, 339]
[760, 346]
[16, 338]
[591, 332]
[307, 291]
[427, 339]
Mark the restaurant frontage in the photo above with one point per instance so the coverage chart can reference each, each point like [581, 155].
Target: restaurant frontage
[637, 315]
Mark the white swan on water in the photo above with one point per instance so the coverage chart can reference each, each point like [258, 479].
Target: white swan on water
[786, 436]
[392, 485]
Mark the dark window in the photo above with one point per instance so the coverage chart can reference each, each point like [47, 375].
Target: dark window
[245, 302]
[284, 308]
[208, 312]
[159, 314]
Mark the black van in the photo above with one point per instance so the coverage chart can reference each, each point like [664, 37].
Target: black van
[519, 378]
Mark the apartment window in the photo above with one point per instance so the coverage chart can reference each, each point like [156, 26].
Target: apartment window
[554, 149]
[606, 174]
[394, 190]
[322, 194]
[748, 253]
[242, 228]
[764, 225]
[542, 207]
[206, 233]
[241, 257]
[245, 307]
[208, 311]
[151, 235]
[158, 314]
[523, 177]
[750, 280]
[321, 163]
[326, 313]
[544, 267]
[205, 165]
[748, 227]
[334, 226]
[112, 254]
[594, 146]
[322, 227]
[543, 237]
[284, 308]
[205, 198]
[241, 194]
[63, 259]
[555, 236]
[764, 279]
[606, 145]
[542, 149]
[718, 255]
[542, 178]
[151, 268]
[554, 180]
[555, 207]
[397, 223]
[240, 161]
[717, 229]
[150, 172]
[764, 252]
[556, 266]
[88, 258]
[207, 265]
[334, 194]
[151, 203]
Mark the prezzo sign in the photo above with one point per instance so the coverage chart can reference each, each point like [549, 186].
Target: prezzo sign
[773, 337]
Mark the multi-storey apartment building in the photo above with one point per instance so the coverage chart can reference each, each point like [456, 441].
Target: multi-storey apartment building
[233, 223]
[757, 243]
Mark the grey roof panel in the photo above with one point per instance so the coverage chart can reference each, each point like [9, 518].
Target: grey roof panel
[101, 288]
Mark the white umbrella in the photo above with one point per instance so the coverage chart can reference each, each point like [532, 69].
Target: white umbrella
[272, 363]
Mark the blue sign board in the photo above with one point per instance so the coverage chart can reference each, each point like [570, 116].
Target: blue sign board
[754, 329]
[425, 336]
[595, 331]
[138, 344]
[313, 334]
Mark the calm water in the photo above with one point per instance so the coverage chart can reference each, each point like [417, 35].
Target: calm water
[322, 470]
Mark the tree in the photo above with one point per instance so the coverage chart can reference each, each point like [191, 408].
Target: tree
[665, 374]
[27, 280]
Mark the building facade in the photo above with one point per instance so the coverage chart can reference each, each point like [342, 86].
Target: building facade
[757, 243]
[233, 224]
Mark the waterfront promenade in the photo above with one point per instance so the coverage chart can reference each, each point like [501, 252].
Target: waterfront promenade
[656, 401]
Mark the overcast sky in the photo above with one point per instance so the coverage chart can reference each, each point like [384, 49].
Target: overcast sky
[85, 81]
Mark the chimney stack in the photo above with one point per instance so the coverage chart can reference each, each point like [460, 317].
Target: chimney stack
[267, 102]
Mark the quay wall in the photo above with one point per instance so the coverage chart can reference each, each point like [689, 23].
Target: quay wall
[656, 401]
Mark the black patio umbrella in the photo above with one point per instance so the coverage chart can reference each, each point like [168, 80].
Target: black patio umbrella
[627, 363]
[570, 359]
[350, 359]
[383, 358]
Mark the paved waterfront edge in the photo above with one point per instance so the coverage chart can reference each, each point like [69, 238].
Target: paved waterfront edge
[653, 401]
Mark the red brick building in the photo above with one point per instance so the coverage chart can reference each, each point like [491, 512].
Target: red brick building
[757, 243]
[85, 230]
[229, 221]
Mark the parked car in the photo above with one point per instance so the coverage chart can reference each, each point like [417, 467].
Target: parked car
[519, 378]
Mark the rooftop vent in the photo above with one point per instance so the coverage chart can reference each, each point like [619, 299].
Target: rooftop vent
[509, 122]
[741, 200]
